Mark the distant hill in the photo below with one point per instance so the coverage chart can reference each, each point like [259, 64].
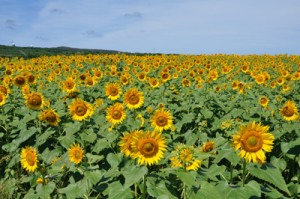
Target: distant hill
[30, 52]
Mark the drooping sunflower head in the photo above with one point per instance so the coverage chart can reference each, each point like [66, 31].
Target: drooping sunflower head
[133, 98]
[75, 153]
[161, 120]
[113, 91]
[29, 159]
[289, 111]
[50, 117]
[80, 109]
[149, 147]
[184, 156]
[252, 140]
[116, 113]
[35, 100]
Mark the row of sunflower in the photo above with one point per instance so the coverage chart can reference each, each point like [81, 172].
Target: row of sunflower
[174, 126]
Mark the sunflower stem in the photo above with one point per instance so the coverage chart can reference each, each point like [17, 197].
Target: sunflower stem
[244, 172]
[144, 188]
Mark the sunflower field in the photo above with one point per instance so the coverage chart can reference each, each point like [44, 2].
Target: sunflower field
[150, 126]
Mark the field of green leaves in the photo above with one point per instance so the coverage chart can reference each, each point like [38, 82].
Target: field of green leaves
[151, 126]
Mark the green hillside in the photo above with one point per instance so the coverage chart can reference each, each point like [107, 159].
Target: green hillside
[30, 52]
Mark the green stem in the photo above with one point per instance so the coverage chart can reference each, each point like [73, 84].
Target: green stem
[231, 172]
[183, 195]
[244, 172]
[135, 191]
[144, 188]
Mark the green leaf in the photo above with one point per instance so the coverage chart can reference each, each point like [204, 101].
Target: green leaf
[88, 135]
[94, 158]
[208, 190]
[228, 153]
[270, 174]
[72, 191]
[116, 191]
[100, 145]
[187, 177]
[159, 190]
[114, 159]
[66, 141]
[44, 191]
[31, 195]
[43, 138]
[94, 176]
[214, 171]
[134, 174]
[72, 127]
[232, 191]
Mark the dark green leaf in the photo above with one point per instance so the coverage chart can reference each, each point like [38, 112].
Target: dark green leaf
[270, 174]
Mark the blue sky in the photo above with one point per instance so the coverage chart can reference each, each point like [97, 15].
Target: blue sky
[155, 26]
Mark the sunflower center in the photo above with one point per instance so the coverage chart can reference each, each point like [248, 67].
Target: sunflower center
[69, 85]
[161, 121]
[252, 142]
[134, 99]
[31, 78]
[81, 110]
[35, 100]
[116, 114]
[113, 92]
[185, 155]
[77, 154]
[51, 117]
[20, 80]
[30, 158]
[149, 148]
[288, 111]
[1, 99]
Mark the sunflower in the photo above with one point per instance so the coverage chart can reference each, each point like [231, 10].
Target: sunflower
[149, 147]
[161, 120]
[185, 82]
[125, 143]
[2, 99]
[260, 78]
[208, 146]
[35, 100]
[184, 156]
[289, 110]
[49, 116]
[69, 85]
[263, 101]
[252, 140]
[29, 158]
[75, 153]
[133, 98]
[116, 114]
[113, 91]
[4, 90]
[80, 109]
[20, 80]
[153, 81]
[31, 79]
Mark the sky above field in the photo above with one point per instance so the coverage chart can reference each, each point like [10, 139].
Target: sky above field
[155, 26]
